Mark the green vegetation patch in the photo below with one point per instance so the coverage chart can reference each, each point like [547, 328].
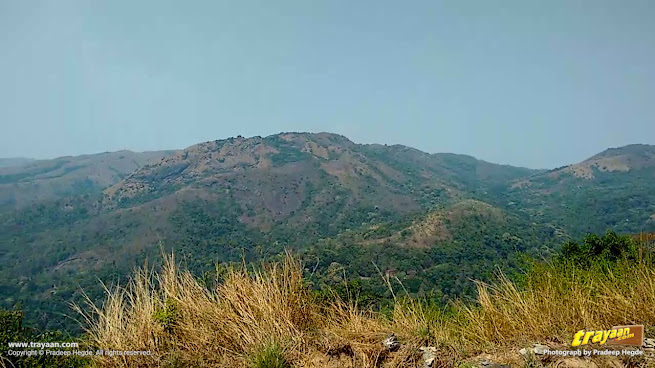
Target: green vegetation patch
[269, 356]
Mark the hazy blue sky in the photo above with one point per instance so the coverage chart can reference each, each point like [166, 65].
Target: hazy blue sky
[532, 83]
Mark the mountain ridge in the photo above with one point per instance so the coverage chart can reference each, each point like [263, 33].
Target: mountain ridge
[68, 175]
[435, 219]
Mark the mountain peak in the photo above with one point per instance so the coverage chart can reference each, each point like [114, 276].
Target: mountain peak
[621, 159]
[213, 161]
[637, 150]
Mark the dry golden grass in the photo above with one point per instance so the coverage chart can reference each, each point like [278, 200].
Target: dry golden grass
[555, 302]
[179, 320]
[184, 324]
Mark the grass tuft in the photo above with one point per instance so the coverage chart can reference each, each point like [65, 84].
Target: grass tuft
[269, 356]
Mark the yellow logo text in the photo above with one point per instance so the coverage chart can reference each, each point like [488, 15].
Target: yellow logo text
[614, 335]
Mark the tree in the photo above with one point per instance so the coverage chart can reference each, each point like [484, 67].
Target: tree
[606, 249]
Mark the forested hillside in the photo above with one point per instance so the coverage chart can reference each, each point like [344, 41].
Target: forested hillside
[350, 211]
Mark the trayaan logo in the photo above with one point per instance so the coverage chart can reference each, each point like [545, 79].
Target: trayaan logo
[617, 335]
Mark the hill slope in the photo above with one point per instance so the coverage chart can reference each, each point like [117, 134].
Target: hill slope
[612, 190]
[433, 220]
[31, 181]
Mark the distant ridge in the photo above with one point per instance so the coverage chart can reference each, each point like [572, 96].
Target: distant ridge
[29, 181]
[15, 161]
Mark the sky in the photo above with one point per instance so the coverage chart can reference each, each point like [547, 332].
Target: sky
[538, 84]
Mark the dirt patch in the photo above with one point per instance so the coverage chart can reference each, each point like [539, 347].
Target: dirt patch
[584, 170]
[316, 150]
[428, 231]
[421, 234]
[65, 262]
[521, 184]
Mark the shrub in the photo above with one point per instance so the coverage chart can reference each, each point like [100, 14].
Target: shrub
[11, 329]
[605, 250]
[167, 315]
[270, 356]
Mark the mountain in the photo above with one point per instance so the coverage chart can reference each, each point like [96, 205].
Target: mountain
[433, 220]
[624, 159]
[25, 181]
[289, 177]
[611, 190]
